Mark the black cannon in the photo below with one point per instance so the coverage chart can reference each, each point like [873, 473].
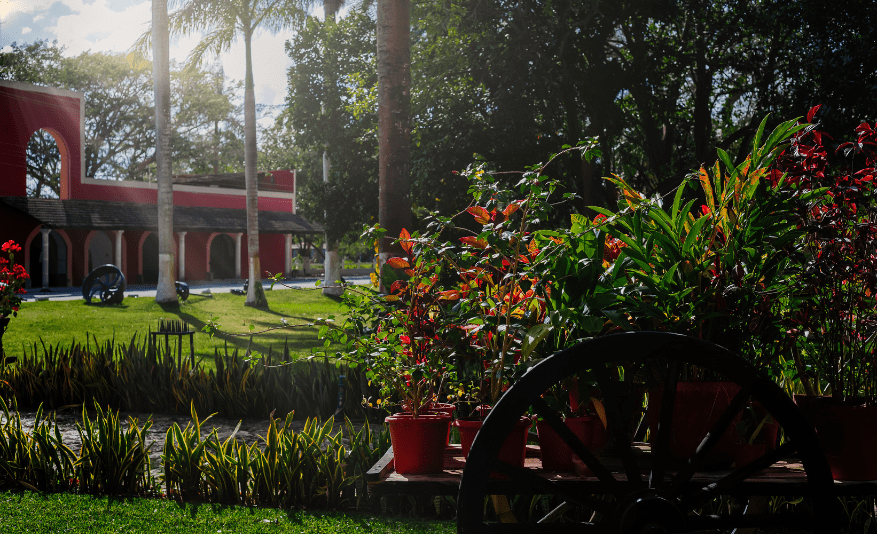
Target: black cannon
[107, 283]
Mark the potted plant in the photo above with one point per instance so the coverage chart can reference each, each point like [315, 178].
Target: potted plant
[715, 266]
[12, 279]
[398, 339]
[756, 432]
[834, 319]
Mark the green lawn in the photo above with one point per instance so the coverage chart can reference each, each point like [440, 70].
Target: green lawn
[63, 321]
[30, 512]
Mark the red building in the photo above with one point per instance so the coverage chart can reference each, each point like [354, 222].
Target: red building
[95, 222]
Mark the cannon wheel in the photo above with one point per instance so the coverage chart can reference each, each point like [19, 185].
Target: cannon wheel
[107, 283]
[182, 290]
[658, 498]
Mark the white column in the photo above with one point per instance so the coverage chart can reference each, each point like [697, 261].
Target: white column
[119, 249]
[182, 255]
[238, 238]
[44, 257]
[288, 265]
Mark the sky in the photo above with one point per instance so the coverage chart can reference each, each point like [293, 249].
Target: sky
[114, 25]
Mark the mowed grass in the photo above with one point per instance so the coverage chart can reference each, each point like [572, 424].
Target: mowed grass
[63, 322]
[30, 512]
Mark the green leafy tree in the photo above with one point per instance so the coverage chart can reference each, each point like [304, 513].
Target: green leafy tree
[343, 52]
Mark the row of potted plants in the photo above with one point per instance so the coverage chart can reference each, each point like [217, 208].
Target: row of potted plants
[772, 256]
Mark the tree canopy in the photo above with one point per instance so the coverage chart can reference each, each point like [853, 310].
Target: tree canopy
[660, 84]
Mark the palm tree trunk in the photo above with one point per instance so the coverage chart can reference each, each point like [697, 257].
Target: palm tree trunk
[165, 291]
[332, 263]
[394, 80]
[255, 292]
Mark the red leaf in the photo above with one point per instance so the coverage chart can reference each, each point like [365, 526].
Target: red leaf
[451, 294]
[511, 208]
[474, 242]
[482, 216]
[812, 112]
[398, 263]
[405, 241]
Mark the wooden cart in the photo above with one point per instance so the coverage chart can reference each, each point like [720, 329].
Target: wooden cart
[637, 488]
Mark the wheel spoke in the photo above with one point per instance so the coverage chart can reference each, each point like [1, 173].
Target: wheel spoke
[661, 441]
[547, 528]
[710, 523]
[573, 442]
[721, 486]
[710, 440]
[614, 412]
[544, 486]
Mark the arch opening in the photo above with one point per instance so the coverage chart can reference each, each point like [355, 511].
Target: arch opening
[222, 257]
[150, 259]
[100, 251]
[57, 261]
[44, 165]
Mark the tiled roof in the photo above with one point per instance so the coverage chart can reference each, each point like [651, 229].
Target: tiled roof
[106, 215]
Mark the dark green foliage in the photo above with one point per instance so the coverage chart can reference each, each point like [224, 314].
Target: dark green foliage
[142, 377]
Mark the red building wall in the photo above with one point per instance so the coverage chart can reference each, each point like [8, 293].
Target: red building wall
[27, 108]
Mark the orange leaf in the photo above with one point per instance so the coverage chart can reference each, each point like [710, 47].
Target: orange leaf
[482, 216]
[398, 263]
[451, 294]
[511, 208]
[474, 242]
[405, 241]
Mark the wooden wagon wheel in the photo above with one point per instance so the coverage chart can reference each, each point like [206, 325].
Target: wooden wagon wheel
[106, 283]
[652, 493]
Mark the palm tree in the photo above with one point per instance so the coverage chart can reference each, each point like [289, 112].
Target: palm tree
[224, 21]
[332, 263]
[166, 290]
[394, 130]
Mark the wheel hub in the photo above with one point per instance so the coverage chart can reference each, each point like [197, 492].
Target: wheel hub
[648, 512]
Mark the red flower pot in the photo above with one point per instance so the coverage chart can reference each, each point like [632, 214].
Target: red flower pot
[697, 407]
[848, 435]
[513, 449]
[442, 408]
[418, 442]
[556, 454]
[745, 453]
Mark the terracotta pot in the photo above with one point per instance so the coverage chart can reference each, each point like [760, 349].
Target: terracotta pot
[556, 454]
[847, 435]
[513, 449]
[697, 408]
[745, 453]
[418, 442]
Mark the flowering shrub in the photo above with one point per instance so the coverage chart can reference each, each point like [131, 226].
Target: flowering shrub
[470, 305]
[834, 315]
[12, 277]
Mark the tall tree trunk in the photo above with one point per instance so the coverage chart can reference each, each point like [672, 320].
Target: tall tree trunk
[394, 80]
[166, 292]
[255, 292]
[332, 263]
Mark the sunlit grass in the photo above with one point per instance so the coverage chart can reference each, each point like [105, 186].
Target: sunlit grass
[62, 322]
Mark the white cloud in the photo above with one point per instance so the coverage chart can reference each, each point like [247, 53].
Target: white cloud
[25, 30]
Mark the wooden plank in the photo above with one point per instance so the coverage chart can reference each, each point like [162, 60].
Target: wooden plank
[783, 478]
[382, 468]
